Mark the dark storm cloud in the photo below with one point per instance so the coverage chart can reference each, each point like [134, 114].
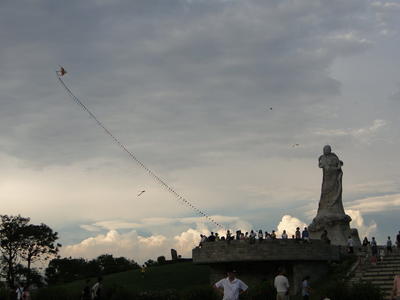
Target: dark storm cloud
[173, 79]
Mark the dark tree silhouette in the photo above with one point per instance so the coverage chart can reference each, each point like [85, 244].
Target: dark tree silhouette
[11, 235]
[39, 243]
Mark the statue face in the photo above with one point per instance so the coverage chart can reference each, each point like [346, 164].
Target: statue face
[327, 149]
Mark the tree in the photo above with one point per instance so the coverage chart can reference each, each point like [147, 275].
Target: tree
[65, 270]
[25, 243]
[11, 235]
[150, 263]
[161, 260]
[39, 243]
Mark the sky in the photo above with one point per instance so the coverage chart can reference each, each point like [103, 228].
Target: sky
[212, 96]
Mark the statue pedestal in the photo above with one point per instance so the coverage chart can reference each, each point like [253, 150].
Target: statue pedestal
[337, 226]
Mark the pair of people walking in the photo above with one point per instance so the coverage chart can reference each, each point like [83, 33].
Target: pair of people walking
[231, 287]
[94, 292]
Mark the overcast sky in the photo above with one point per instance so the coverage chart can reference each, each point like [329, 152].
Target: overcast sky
[211, 95]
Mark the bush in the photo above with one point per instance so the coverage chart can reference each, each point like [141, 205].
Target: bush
[55, 293]
[262, 291]
[199, 293]
[338, 290]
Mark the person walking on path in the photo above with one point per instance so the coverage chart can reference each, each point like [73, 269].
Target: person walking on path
[86, 291]
[19, 292]
[396, 288]
[97, 289]
[231, 287]
[281, 284]
[26, 295]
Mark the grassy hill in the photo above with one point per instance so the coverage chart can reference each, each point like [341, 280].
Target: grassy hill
[183, 276]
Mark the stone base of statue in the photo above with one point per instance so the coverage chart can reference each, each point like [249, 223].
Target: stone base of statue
[337, 227]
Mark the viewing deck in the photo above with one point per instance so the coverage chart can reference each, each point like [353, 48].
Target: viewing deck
[267, 250]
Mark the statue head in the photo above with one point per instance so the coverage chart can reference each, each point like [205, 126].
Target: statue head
[327, 150]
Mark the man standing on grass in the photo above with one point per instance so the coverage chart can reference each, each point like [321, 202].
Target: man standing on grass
[97, 289]
[281, 284]
[231, 287]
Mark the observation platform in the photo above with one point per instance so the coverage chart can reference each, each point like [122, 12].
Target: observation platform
[267, 250]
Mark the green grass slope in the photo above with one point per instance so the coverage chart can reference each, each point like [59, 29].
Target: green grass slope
[179, 276]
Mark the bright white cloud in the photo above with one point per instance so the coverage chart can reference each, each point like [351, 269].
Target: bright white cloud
[290, 224]
[357, 221]
[129, 245]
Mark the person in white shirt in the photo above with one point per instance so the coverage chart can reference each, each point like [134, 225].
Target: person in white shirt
[284, 235]
[231, 287]
[281, 284]
[19, 292]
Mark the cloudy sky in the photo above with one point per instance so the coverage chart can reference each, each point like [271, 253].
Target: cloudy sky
[188, 87]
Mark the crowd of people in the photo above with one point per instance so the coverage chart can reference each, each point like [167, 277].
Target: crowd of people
[232, 287]
[371, 247]
[254, 236]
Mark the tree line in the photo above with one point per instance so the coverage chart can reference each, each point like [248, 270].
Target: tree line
[23, 244]
[61, 270]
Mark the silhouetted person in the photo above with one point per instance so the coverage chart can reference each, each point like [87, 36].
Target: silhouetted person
[86, 295]
[281, 284]
[211, 238]
[26, 295]
[324, 237]
[297, 234]
[389, 245]
[97, 289]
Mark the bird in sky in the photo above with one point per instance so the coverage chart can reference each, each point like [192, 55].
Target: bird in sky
[140, 193]
[270, 108]
[295, 145]
[61, 72]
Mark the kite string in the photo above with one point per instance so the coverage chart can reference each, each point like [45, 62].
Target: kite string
[142, 165]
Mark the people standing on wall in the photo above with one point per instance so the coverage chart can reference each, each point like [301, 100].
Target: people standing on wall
[238, 233]
[252, 237]
[389, 245]
[228, 236]
[231, 287]
[305, 235]
[260, 236]
[297, 234]
[284, 235]
[281, 284]
[273, 235]
[211, 238]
